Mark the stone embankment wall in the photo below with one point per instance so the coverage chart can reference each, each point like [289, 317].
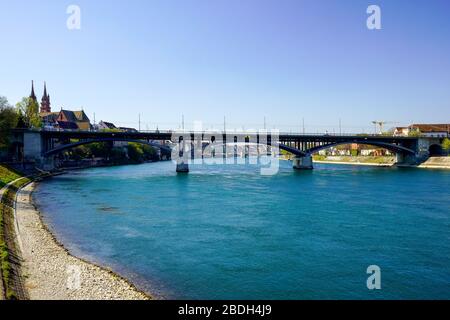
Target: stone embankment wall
[436, 162]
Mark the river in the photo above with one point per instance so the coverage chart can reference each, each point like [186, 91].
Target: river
[227, 232]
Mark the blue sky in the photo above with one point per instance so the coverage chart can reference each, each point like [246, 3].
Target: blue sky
[248, 59]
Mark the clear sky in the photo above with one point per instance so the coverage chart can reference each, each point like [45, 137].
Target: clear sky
[244, 59]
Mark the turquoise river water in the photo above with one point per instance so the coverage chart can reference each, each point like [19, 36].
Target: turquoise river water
[227, 232]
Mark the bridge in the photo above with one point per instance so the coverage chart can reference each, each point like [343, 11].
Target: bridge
[42, 146]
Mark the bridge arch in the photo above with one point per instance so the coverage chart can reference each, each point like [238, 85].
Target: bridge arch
[435, 150]
[388, 146]
[301, 153]
[292, 150]
[89, 141]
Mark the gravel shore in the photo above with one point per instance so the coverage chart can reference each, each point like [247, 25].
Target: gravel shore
[51, 273]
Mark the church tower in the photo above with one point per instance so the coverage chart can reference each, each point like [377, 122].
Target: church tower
[32, 95]
[45, 101]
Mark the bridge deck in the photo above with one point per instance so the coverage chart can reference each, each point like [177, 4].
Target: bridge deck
[167, 135]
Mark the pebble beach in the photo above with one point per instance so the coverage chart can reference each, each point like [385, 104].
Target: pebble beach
[50, 272]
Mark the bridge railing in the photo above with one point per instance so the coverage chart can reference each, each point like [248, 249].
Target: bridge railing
[290, 133]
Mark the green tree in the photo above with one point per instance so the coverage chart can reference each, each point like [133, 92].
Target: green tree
[414, 133]
[8, 121]
[99, 149]
[111, 130]
[149, 152]
[4, 103]
[80, 152]
[138, 152]
[446, 145]
[118, 155]
[135, 152]
[28, 109]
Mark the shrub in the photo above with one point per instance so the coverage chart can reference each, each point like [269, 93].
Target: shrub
[135, 152]
[446, 145]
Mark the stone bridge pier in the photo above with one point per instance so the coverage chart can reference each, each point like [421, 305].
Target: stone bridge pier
[33, 150]
[182, 160]
[303, 162]
[405, 159]
[33, 146]
[411, 159]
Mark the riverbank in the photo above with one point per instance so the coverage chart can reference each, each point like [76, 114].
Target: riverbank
[356, 163]
[430, 163]
[356, 160]
[11, 284]
[436, 163]
[51, 272]
[383, 161]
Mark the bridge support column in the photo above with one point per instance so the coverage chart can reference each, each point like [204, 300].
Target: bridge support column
[399, 157]
[303, 163]
[32, 146]
[182, 167]
[48, 163]
[408, 159]
[182, 161]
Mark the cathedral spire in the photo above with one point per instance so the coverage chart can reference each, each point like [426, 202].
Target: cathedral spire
[45, 102]
[45, 89]
[32, 95]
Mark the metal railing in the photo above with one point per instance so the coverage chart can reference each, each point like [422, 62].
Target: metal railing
[290, 133]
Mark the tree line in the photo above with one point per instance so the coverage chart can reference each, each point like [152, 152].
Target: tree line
[24, 115]
[130, 153]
